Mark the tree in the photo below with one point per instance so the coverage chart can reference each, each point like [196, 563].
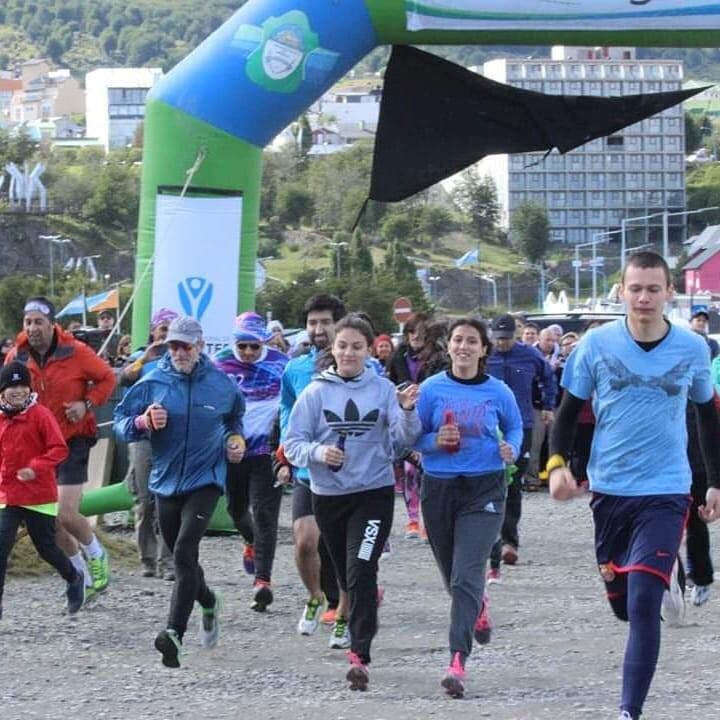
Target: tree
[396, 228]
[14, 289]
[477, 197]
[530, 230]
[693, 134]
[397, 263]
[361, 260]
[294, 205]
[435, 221]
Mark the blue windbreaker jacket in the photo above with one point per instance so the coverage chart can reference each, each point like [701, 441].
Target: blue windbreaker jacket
[204, 408]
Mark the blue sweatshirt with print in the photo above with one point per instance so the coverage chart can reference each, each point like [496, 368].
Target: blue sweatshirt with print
[480, 409]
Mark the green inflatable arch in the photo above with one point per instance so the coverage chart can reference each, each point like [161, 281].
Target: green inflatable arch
[208, 120]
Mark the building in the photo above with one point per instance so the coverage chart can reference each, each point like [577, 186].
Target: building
[636, 172]
[702, 270]
[8, 87]
[45, 93]
[115, 103]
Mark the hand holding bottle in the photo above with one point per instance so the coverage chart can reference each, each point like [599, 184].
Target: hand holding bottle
[448, 437]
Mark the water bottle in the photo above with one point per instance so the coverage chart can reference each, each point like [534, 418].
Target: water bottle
[340, 445]
[449, 419]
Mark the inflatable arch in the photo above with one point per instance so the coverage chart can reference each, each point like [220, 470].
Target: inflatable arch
[208, 120]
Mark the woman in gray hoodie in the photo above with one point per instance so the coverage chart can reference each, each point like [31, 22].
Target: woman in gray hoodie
[347, 427]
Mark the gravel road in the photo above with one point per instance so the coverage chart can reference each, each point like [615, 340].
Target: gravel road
[556, 651]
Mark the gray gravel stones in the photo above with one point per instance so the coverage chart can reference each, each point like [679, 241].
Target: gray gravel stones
[556, 651]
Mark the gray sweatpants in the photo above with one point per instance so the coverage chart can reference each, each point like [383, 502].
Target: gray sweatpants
[463, 516]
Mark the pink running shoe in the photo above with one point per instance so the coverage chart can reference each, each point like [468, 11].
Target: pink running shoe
[358, 675]
[493, 576]
[454, 680]
[483, 626]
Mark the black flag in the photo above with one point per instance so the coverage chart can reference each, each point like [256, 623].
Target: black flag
[437, 118]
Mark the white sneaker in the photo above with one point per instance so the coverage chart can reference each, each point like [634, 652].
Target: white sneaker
[310, 618]
[673, 604]
[700, 595]
[339, 635]
[625, 715]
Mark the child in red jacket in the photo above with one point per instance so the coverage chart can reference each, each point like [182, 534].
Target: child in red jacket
[31, 446]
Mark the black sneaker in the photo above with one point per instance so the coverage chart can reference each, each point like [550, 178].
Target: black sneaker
[75, 593]
[262, 597]
[169, 645]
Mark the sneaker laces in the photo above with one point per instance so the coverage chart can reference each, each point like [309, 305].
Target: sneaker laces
[340, 627]
[456, 668]
[312, 607]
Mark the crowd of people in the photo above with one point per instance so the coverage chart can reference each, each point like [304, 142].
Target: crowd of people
[458, 417]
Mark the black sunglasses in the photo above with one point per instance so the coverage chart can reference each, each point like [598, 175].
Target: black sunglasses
[245, 346]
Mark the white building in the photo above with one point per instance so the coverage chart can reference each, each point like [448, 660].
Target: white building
[115, 103]
[636, 172]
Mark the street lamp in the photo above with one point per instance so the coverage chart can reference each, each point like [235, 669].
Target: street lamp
[337, 246]
[491, 279]
[53, 240]
[433, 288]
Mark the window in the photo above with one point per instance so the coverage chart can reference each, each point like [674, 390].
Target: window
[576, 180]
[654, 162]
[673, 180]
[557, 236]
[615, 142]
[634, 162]
[654, 198]
[556, 217]
[635, 180]
[557, 199]
[635, 198]
[556, 181]
[614, 88]
[517, 181]
[632, 88]
[596, 181]
[593, 88]
[597, 199]
[576, 217]
[553, 88]
[615, 199]
[654, 180]
[634, 143]
[535, 181]
[596, 217]
[615, 162]
[576, 199]
[672, 143]
[653, 143]
[576, 160]
[573, 88]
[615, 180]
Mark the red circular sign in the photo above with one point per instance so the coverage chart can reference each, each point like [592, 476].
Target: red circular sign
[402, 309]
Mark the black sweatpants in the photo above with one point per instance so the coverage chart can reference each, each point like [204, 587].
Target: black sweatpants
[183, 521]
[41, 529]
[355, 527]
[699, 560]
[249, 485]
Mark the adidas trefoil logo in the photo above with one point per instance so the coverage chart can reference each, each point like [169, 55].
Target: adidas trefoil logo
[352, 424]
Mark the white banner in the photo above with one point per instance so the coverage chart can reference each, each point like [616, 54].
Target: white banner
[197, 253]
[562, 14]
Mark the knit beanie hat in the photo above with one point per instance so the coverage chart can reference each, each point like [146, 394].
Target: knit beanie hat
[14, 374]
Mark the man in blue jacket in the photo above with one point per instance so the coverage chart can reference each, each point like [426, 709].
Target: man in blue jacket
[518, 366]
[192, 413]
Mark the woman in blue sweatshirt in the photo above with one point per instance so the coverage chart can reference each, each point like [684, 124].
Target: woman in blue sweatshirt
[471, 429]
[347, 427]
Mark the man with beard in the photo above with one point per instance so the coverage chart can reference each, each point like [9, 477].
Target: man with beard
[321, 313]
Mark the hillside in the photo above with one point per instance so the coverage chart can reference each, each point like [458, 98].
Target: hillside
[85, 34]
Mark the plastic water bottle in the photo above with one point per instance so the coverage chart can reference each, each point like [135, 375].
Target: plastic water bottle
[340, 445]
[449, 419]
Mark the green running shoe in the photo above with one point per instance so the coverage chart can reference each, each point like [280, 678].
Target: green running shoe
[311, 616]
[340, 634]
[169, 645]
[100, 571]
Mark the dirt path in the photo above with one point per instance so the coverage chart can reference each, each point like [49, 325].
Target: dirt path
[556, 651]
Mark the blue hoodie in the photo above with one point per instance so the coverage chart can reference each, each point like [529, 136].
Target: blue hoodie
[365, 410]
[204, 408]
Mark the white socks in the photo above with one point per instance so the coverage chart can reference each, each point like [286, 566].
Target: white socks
[94, 549]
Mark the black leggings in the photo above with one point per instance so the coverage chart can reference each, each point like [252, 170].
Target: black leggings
[183, 520]
[41, 529]
[250, 484]
[355, 528]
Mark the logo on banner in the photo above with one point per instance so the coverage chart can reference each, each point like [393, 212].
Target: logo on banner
[195, 295]
[284, 52]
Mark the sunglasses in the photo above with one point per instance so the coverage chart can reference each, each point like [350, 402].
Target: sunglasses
[248, 346]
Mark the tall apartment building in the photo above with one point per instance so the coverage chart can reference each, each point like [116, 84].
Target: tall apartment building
[636, 172]
[115, 103]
